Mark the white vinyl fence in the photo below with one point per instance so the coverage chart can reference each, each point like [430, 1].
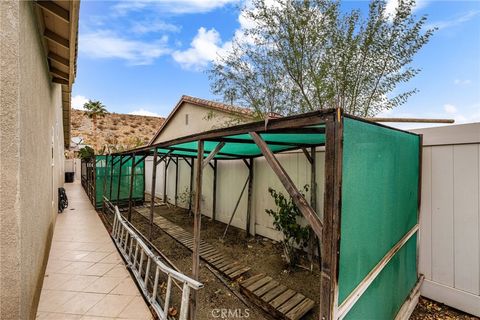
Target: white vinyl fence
[449, 217]
[231, 177]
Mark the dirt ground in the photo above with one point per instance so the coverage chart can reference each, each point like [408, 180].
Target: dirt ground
[263, 256]
[432, 310]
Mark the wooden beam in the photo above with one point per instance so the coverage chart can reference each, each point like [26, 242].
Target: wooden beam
[60, 81]
[212, 154]
[119, 180]
[197, 225]
[163, 157]
[165, 168]
[235, 208]
[130, 193]
[191, 185]
[309, 157]
[58, 39]
[152, 192]
[214, 200]
[176, 182]
[59, 73]
[55, 9]
[59, 59]
[299, 200]
[249, 196]
[411, 120]
[331, 217]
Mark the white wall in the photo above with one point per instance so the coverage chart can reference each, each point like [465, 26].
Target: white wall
[231, 177]
[449, 217]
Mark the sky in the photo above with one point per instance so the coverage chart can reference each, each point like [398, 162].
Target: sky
[140, 57]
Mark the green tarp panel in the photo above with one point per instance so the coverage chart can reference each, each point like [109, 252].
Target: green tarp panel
[103, 167]
[242, 145]
[380, 175]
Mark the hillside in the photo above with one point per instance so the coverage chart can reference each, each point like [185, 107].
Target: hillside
[114, 131]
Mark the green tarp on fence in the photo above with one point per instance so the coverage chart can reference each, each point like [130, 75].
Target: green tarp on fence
[379, 206]
[104, 167]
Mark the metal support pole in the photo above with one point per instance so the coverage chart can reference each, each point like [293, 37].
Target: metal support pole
[197, 225]
[130, 194]
[152, 197]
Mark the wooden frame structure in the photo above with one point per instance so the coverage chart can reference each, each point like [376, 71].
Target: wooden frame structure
[329, 123]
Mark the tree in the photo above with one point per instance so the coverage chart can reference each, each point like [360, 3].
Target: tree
[95, 109]
[300, 56]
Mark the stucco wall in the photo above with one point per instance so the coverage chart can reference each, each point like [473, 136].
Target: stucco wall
[31, 159]
[199, 119]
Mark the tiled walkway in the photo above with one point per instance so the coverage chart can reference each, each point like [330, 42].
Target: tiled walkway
[85, 276]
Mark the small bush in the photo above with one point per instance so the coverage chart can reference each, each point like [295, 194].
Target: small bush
[285, 220]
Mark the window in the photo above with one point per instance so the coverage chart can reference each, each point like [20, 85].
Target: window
[186, 119]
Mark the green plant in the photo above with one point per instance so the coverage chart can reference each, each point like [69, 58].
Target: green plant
[285, 220]
[86, 152]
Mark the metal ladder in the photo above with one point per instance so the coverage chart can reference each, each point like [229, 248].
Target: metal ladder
[135, 252]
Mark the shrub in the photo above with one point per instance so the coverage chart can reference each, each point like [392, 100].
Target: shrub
[285, 220]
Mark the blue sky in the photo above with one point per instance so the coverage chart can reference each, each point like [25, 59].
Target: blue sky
[141, 56]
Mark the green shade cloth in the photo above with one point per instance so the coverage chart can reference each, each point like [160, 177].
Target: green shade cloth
[103, 168]
[379, 206]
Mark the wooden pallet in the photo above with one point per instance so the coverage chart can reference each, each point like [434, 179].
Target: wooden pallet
[275, 298]
[231, 268]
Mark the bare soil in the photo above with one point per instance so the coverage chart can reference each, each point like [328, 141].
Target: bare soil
[263, 256]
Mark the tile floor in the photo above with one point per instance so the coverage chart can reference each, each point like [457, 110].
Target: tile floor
[86, 277]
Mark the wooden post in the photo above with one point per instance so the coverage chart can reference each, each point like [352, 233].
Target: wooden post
[119, 181]
[176, 182]
[191, 186]
[111, 179]
[214, 204]
[197, 225]
[152, 192]
[104, 192]
[130, 193]
[165, 180]
[331, 218]
[299, 200]
[250, 194]
[312, 241]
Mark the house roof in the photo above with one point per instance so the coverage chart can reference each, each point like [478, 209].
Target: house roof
[58, 26]
[246, 113]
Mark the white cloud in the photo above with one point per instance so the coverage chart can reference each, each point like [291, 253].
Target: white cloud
[151, 26]
[204, 48]
[456, 21]
[143, 112]
[171, 6]
[450, 108]
[392, 5]
[106, 44]
[78, 101]
[462, 82]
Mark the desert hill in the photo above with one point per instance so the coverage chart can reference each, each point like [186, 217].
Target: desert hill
[115, 131]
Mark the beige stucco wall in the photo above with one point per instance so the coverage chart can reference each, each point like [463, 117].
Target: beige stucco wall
[31, 159]
[199, 119]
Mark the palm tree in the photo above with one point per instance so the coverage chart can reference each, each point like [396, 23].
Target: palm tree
[95, 109]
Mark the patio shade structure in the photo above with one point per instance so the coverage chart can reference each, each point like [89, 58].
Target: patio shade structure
[368, 229]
